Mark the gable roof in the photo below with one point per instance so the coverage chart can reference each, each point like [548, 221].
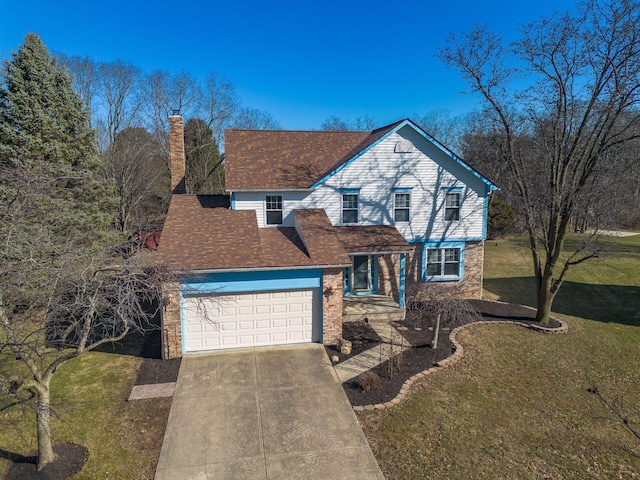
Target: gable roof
[299, 160]
[319, 236]
[201, 234]
[289, 159]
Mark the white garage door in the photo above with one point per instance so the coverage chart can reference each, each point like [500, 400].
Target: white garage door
[250, 319]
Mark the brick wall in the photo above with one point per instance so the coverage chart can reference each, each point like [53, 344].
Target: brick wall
[413, 265]
[473, 265]
[471, 285]
[332, 292]
[389, 276]
[171, 332]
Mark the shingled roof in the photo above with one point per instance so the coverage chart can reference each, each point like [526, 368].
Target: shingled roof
[368, 239]
[201, 234]
[285, 159]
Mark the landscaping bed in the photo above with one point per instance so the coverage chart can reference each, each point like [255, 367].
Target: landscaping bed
[417, 330]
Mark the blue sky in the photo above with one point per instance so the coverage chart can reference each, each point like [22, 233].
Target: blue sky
[301, 61]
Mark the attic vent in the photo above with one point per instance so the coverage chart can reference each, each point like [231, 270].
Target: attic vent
[404, 146]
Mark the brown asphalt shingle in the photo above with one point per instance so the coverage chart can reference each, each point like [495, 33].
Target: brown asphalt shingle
[285, 159]
[199, 235]
[372, 239]
[320, 237]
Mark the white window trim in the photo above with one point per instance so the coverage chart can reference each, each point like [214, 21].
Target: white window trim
[266, 211]
[460, 246]
[403, 208]
[459, 206]
[342, 207]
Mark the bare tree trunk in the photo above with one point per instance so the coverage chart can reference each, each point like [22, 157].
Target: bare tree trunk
[43, 418]
[545, 299]
[436, 333]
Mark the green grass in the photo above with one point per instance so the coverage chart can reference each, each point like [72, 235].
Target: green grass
[89, 397]
[517, 406]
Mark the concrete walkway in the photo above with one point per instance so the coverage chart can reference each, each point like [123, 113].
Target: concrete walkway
[266, 413]
[393, 344]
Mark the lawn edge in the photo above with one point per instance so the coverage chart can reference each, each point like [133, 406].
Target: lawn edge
[457, 355]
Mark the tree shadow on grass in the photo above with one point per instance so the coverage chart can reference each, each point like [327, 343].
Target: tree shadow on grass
[602, 303]
[147, 345]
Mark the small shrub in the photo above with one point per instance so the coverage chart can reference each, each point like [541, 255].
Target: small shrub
[368, 380]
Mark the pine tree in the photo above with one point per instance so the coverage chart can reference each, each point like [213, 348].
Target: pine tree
[41, 117]
[62, 289]
[204, 169]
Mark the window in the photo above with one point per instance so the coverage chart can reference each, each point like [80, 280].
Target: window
[443, 262]
[274, 209]
[350, 208]
[401, 207]
[452, 206]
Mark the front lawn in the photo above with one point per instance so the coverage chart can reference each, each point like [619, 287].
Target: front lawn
[518, 405]
[89, 397]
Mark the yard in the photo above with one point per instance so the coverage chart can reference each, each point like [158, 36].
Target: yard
[89, 399]
[518, 405]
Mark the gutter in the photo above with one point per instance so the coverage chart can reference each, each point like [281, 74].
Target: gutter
[260, 269]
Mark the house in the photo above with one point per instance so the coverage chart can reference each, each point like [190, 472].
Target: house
[314, 220]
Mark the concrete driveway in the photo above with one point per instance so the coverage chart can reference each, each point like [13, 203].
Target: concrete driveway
[265, 413]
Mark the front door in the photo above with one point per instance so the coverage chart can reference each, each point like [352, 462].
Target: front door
[361, 273]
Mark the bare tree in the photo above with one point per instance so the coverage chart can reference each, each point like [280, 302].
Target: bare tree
[442, 126]
[119, 91]
[83, 75]
[62, 290]
[444, 303]
[254, 119]
[163, 94]
[360, 124]
[580, 104]
[138, 168]
[220, 104]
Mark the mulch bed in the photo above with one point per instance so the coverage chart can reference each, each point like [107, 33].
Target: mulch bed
[70, 458]
[148, 346]
[418, 331]
[153, 369]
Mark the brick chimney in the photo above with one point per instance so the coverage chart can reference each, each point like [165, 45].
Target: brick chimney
[177, 158]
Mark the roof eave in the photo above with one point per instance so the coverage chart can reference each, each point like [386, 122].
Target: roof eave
[257, 269]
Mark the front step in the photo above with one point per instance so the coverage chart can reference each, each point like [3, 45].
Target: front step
[396, 314]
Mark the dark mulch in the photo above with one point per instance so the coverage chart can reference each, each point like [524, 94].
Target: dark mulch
[153, 369]
[419, 331]
[361, 336]
[70, 458]
[391, 377]
[509, 311]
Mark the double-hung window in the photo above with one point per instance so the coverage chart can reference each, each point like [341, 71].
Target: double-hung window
[350, 207]
[452, 206]
[443, 263]
[274, 209]
[402, 205]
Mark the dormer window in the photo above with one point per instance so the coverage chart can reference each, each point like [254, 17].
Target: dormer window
[274, 209]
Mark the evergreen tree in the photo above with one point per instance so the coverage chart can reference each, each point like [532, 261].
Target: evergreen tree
[205, 164]
[41, 117]
[62, 291]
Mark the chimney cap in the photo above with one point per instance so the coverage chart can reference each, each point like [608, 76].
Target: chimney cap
[176, 111]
